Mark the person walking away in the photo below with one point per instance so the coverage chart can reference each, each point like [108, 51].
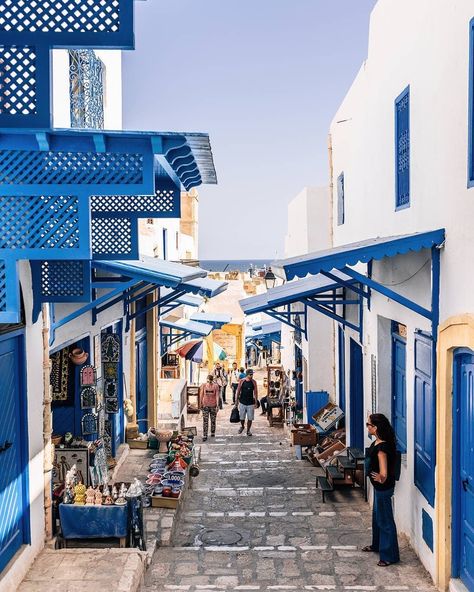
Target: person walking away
[234, 380]
[381, 467]
[220, 378]
[242, 374]
[246, 400]
[209, 396]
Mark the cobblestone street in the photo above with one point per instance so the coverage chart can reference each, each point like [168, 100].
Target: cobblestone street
[254, 521]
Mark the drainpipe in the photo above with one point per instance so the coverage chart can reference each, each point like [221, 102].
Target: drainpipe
[48, 448]
[331, 241]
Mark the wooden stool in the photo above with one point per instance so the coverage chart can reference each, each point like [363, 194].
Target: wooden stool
[278, 418]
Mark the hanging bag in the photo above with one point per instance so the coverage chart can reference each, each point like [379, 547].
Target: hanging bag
[234, 415]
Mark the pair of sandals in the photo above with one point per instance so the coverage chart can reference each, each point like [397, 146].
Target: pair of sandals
[381, 563]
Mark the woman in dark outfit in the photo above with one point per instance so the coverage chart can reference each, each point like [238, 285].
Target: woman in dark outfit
[380, 461]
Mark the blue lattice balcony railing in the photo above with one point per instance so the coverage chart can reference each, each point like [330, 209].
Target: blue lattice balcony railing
[29, 29]
[39, 226]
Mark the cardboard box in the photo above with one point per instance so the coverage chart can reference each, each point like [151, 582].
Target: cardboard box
[329, 453]
[327, 417]
[141, 444]
[303, 434]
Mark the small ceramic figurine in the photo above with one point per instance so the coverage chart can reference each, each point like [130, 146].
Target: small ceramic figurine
[114, 493]
[123, 490]
[68, 497]
[90, 496]
[80, 494]
[98, 497]
[108, 501]
[106, 491]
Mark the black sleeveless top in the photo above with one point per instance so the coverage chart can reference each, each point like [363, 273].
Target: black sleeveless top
[247, 396]
[372, 455]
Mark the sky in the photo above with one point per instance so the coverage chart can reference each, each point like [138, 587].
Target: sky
[264, 78]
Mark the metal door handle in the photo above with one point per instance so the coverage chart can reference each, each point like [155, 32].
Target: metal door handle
[6, 446]
[465, 483]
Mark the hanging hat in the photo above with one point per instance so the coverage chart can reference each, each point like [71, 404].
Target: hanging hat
[78, 356]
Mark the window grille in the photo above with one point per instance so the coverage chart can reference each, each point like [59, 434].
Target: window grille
[17, 80]
[340, 199]
[402, 149]
[86, 89]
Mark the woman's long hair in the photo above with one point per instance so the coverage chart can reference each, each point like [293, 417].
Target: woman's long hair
[384, 429]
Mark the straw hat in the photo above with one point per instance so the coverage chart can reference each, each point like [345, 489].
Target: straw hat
[78, 356]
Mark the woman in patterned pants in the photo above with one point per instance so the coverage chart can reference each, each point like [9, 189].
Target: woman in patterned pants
[209, 395]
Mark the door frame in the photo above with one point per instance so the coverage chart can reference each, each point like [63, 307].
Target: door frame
[356, 423]
[23, 453]
[341, 353]
[141, 335]
[456, 478]
[402, 446]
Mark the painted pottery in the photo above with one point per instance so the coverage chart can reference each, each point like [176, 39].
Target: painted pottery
[163, 438]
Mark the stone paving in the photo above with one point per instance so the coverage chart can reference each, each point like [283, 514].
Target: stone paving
[255, 522]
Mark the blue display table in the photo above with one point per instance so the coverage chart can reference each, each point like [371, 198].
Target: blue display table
[94, 522]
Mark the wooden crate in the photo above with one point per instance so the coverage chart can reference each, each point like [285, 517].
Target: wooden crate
[158, 501]
[142, 444]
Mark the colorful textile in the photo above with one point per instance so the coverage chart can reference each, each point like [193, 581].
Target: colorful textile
[62, 379]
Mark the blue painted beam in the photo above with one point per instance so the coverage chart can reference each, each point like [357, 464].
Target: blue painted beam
[388, 292]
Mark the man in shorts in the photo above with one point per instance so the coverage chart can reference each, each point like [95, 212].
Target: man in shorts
[246, 400]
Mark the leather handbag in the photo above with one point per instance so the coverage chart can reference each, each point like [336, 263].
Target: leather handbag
[234, 415]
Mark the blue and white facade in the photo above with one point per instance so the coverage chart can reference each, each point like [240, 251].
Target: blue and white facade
[72, 197]
[402, 143]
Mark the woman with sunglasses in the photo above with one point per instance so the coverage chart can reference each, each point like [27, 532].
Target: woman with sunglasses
[380, 463]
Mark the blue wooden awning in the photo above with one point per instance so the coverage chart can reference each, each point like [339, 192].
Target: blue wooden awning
[216, 320]
[187, 326]
[172, 332]
[359, 252]
[263, 329]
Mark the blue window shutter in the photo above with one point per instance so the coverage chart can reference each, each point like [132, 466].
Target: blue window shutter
[340, 199]
[425, 418]
[470, 179]
[402, 149]
[399, 403]
[427, 529]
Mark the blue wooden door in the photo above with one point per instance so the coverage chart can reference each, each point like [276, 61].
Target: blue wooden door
[464, 480]
[13, 445]
[141, 380]
[399, 398]
[356, 396]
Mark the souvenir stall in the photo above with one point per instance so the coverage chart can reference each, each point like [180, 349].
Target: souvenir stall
[88, 423]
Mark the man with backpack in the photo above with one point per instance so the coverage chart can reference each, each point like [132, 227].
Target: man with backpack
[247, 401]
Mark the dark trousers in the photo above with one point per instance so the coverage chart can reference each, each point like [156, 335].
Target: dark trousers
[223, 392]
[234, 391]
[384, 530]
[206, 412]
[264, 403]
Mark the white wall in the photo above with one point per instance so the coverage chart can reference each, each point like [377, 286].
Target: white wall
[424, 45]
[309, 230]
[112, 60]
[12, 576]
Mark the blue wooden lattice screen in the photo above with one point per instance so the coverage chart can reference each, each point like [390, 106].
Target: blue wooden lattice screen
[35, 227]
[402, 149]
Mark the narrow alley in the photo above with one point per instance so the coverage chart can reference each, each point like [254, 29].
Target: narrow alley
[255, 521]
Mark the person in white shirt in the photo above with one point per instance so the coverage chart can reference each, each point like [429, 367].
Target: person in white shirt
[234, 375]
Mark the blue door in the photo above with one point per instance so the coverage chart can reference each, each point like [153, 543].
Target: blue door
[399, 397]
[14, 526]
[342, 368]
[356, 396]
[141, 381]
[463, 472]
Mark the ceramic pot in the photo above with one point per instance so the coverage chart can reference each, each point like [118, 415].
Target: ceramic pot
[78, 356]
[166, 491]
[158, 490]
[175, 492]
[163, 438]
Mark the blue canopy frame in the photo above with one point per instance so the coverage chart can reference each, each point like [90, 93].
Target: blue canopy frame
[216, 320]
[178, 332]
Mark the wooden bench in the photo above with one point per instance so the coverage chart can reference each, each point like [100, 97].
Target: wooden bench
[323, 484]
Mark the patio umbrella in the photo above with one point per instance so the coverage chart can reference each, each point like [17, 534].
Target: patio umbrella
[194, 351]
